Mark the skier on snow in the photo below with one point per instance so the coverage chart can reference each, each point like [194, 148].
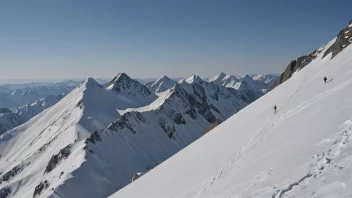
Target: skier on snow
[325, 79]
[275, 107]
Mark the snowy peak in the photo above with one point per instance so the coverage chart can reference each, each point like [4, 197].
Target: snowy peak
[160, 85]
[262, 153]
[122, 83]
[90, 83]
[164, 78]
[246, 78]
[120, 77]
[224, 80]
[266, 78]
[194, 79]
[218, 78]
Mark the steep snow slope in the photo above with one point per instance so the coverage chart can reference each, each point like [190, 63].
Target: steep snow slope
[144, 137]
[160, 85]
[46, 155]
[304, 150]
[9, 120]
[30, 151]
[30, 110]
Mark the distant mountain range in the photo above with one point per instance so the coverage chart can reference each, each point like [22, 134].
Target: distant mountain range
[108, 130]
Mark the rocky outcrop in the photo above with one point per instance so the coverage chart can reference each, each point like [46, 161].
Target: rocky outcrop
[343, 39]
[294, 66]
[42, 186]
[95, 137]
[122, 82]
[13, 172]
[5, 192]
[137, 175]
[55, 159]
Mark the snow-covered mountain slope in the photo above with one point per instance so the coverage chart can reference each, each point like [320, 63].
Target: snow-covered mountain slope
[160, 85]
[304, 150]
[130, 92]
[224, 80]
[266, 78]
[9, 120]
[30, 110]
[30, 151]
[144, 137]
[46, 155]
[247, 93]
[256, 85]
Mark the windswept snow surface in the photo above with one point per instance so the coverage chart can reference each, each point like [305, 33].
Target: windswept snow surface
[304, 150]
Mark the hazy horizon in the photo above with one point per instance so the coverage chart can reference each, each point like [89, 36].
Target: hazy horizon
[48, 80]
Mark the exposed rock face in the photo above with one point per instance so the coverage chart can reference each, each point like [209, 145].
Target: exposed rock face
[13, 172]
[294, 66]
[42, 186]
[5, 192]
[122, 82]
[95, 137]
[55, 159]
[343, 39]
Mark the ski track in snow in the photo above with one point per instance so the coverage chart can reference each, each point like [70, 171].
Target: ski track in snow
[237, 156]
[315, 99]
[260, 137]
[321, 163]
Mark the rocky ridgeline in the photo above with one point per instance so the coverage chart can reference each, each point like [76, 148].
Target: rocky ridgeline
[343, 39]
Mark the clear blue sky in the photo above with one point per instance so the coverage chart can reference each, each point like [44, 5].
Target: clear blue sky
[148, 38]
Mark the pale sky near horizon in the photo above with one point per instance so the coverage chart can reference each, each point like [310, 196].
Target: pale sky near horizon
[63, 39]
